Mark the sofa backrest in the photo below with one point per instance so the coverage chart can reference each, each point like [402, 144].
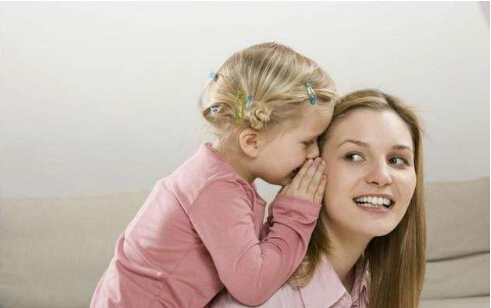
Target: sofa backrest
[457, 215]
[54, 250]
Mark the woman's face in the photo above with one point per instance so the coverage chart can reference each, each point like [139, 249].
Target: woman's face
[370, 173]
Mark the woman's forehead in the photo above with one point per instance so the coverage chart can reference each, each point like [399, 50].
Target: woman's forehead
[372, 127]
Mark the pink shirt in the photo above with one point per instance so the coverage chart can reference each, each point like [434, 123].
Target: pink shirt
[200, 229]
[325, 290]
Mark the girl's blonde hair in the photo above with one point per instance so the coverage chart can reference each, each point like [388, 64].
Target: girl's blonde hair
[275, 76]
[396, 261]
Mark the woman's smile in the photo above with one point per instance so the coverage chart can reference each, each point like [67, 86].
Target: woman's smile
[375, 203]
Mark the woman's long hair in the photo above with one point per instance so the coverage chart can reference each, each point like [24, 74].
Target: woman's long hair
[396, 261]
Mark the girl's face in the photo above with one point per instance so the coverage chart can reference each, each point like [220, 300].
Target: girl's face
[370, 173]
[288, 148]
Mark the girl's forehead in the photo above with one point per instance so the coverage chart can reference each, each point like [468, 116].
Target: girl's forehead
[318, 117]
[311, 124]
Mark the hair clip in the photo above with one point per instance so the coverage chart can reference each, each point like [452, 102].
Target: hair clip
[214, 110]
[311, 93]
[249, 101]
[213, 75]
[239, 108]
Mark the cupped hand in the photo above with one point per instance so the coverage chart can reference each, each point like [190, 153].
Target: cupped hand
[309, 183]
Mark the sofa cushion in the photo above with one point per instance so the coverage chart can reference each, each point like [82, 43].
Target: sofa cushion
[457, 218]
[460, 277]
[468, 302]
[54, 250]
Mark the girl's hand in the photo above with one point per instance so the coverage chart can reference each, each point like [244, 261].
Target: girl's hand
[309, 183]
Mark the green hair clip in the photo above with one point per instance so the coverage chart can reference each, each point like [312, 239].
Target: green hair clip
[240, 105]
[243, 102]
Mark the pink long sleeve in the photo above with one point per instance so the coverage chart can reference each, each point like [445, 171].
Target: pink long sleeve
[198, 231]
[252, 270]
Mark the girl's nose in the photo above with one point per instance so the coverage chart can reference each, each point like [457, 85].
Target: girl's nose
[313, 150]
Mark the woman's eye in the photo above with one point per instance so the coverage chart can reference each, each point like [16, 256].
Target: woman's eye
[397, 160]
[353, 157]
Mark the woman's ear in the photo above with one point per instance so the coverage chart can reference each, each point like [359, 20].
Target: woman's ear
[249, 142]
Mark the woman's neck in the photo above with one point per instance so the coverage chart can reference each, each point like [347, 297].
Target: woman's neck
[346, 250]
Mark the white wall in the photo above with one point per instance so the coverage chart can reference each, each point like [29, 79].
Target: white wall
[102, 97]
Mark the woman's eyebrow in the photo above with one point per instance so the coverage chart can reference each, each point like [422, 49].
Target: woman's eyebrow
[364, 144]
[402, 147]
[357, 142]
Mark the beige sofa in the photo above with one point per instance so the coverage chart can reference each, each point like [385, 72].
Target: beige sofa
[54, 250]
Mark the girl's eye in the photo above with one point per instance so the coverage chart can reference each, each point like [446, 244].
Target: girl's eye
[397, 161]
[355, 157]
[307, 143]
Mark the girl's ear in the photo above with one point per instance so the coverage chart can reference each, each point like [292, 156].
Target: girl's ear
[249, 142]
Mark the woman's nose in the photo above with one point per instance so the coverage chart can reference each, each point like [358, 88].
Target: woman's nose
[379, 174]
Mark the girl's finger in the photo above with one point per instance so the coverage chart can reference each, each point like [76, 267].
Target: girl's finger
[297, 179]
[319, 194]
[314, 184]
[309, 174]
[284, 189]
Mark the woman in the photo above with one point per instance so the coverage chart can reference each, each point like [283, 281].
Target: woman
[368, 248]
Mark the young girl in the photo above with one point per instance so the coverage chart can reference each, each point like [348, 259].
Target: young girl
[368, 248]
[200, 229]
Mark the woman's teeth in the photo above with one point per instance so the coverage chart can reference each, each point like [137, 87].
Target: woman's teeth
[373, 201]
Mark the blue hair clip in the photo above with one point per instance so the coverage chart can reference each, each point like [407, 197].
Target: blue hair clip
[311, 93]
[249, 101]
[213, 75]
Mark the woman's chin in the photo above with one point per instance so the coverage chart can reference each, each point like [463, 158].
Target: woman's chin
[368, 229]
[379, 231]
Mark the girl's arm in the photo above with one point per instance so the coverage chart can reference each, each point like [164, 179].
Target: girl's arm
[252, 270]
